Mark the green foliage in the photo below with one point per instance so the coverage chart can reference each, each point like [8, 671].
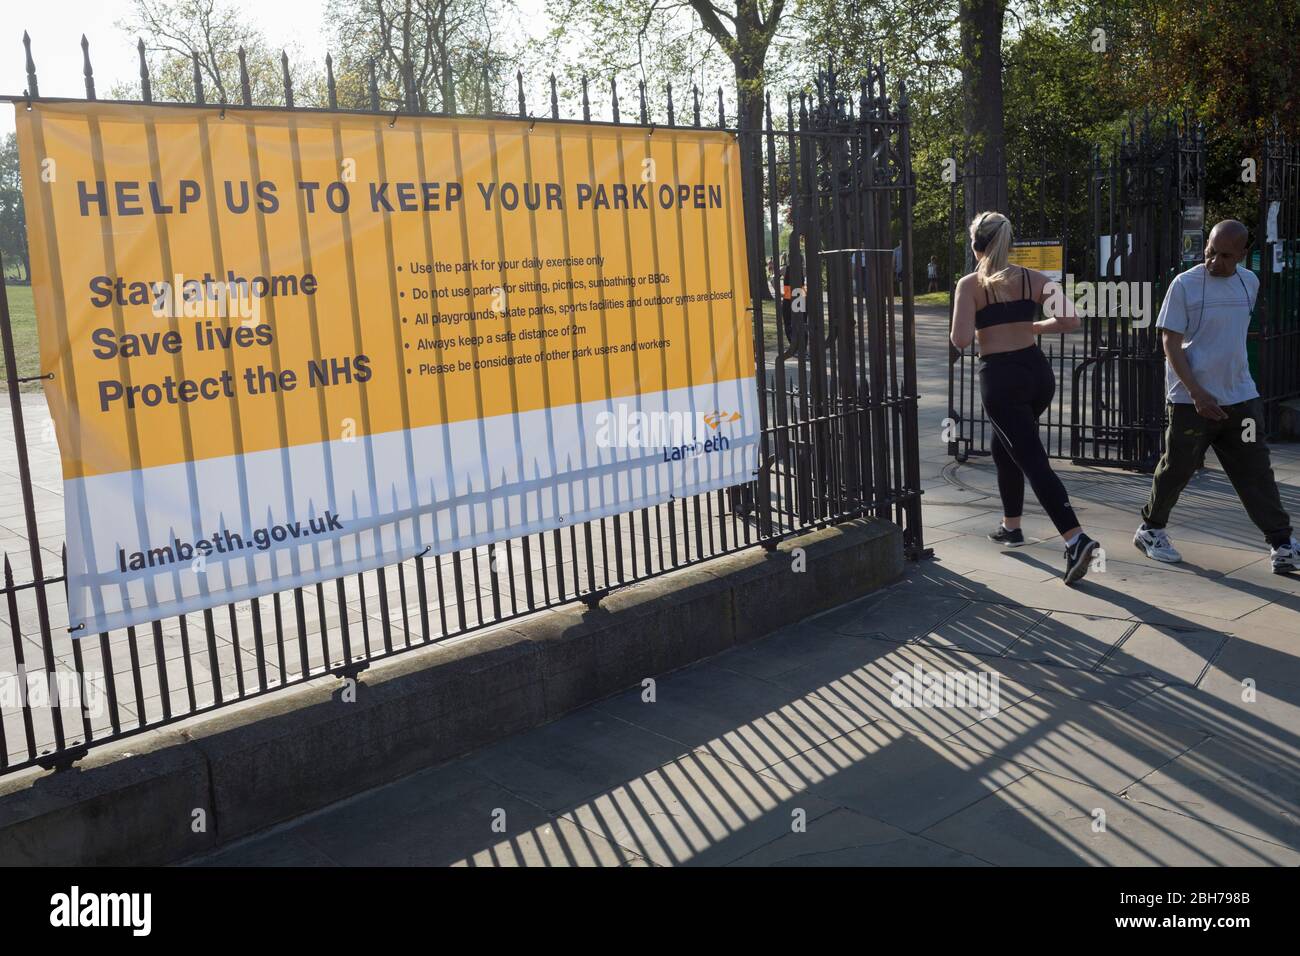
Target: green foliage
[13, 225]
[450, 50]
[176, 33]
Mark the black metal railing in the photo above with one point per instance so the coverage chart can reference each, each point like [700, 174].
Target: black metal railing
[837, 378]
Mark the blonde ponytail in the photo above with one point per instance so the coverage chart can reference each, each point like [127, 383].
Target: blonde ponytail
[990, 233]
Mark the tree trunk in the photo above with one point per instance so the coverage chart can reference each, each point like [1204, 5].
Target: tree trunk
[749, 53]
[981, 77]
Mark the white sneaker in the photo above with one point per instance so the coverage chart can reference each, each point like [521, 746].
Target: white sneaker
[1155, 544]
[1286, 559]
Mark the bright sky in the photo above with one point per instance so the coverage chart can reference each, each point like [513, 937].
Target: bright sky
[56, 27]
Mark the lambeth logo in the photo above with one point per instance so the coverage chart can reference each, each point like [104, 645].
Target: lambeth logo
[75, 909]
[714, 419]
[694, 449]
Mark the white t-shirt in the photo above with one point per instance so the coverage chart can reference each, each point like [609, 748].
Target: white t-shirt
[1213, 314]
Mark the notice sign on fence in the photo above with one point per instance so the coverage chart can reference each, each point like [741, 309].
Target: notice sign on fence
[1043, 255]
[287, 346]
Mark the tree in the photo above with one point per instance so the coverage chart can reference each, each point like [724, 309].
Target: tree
[13, 223]
[745, 42]
[447, 51]
[177, 34]
[984, 122]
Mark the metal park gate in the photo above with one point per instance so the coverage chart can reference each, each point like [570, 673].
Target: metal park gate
[1275, 334]
[843, 352]
[831, 185]
[1136, 216]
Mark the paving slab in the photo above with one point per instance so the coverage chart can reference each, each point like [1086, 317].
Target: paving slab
[1232, 785]
[1276, 617]
[878, 687]
[734, 717]
[1110, 689]
[800, 645]
[1165, 653]
[1047, 821]
[1070, 640]
[696, 810]
[904, 779]
[1263, 714]
[976, 551]
[282, 849]
[983, 628]
[1090, 743]
[901, 614]
[845, 838]
[578, 756]
[443, 817]
[1261, 653]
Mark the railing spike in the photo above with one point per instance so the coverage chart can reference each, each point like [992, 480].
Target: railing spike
[86, 69]
[555, 99]
[245, 87]
[672, 116]
[722, 110]
[645, 116]
[288, 80]
[586, 103]
[146, 88]
[695, 97]
[613, 94]
[523, 103]
[331, 87]
[32, 88]
[374, 86]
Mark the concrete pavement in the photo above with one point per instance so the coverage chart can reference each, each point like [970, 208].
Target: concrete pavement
[1149, 716]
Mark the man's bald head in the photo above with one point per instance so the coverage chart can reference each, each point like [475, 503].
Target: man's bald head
[1226, 247]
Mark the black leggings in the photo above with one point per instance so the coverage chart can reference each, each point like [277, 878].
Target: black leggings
[1017, 387]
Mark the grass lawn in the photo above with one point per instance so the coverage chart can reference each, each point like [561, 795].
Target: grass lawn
[22, 318]
[932, 298]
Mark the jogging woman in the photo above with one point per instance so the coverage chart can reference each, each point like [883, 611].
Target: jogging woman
[1000, 305]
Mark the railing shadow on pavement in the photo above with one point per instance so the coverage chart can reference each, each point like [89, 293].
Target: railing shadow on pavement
[817, 737]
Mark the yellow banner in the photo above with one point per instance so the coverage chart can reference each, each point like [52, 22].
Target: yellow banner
[216, 283]
[450, 269]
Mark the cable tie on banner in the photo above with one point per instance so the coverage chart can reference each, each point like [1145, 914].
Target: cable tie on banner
[532, 121]
[393, 122]
[427, 549]
[223, 113]
[73, 630]
[652, 130]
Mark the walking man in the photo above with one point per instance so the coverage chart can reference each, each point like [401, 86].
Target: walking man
[1212, 400]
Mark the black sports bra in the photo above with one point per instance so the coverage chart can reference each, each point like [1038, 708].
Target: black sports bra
[1000, 313]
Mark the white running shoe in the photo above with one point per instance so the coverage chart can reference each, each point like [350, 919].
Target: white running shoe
[1286, 559]
[1155, 544]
